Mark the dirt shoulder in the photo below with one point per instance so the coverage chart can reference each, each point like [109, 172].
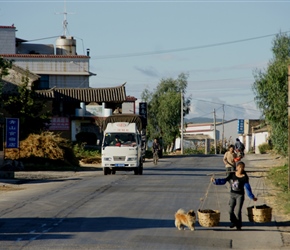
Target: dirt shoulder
[260, 165]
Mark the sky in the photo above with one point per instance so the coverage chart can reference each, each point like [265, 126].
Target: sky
[219, 44]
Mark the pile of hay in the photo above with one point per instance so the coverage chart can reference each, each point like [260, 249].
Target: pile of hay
[44, 148]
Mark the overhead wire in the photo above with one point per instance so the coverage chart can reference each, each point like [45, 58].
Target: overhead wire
[228, 105]
[178, 50]
[181, 49]
[32, 40]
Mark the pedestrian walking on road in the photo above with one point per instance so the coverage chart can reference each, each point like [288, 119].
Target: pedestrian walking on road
[239, 181]
[239, 148]
[229, 159]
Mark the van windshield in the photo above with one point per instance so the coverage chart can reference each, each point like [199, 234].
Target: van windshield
[120, 139]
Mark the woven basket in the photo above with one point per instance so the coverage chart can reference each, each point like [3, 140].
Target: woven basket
[208, 217]
[260, 214]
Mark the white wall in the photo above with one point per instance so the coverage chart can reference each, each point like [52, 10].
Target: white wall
[258, 139]
[230, 131]
[64, 81]
[63, 72]
[128, 108]
[7, 40]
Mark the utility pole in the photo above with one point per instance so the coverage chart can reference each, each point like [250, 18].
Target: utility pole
[223, 134]
[181, 126]
[214, 121]
[288, 127]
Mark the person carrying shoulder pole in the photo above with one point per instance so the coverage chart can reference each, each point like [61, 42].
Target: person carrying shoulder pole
[239, 181]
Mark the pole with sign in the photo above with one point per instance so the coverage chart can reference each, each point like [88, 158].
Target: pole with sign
[12, 133]
[143, 110]
[240, 126]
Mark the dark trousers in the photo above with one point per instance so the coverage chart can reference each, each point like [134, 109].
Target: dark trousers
[236, 204]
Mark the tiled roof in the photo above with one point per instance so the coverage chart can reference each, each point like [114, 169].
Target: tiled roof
[41, 56]
[114, 94]
[7, 27]
[12, 80]
[24, 72]
[131, 98]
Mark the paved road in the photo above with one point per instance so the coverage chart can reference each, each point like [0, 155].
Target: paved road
[87, 210]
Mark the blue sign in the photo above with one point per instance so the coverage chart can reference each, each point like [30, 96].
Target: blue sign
[143, 110]
[240, 126]
[12, 133]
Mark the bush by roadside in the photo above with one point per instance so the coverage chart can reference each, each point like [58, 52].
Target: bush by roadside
[87, 155]
[264, 148]
[43, 149]
[278, 177]
[48, 151]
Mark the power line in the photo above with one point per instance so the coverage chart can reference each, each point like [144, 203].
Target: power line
[228, 105]
[42, 38]
[181, 49]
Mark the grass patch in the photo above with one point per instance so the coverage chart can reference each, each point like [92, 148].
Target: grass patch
[81, 151]
[87, 155]
[264, 148]
[278, 176]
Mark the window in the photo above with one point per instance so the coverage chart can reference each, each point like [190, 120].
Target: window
[125, 139]
[44, 82]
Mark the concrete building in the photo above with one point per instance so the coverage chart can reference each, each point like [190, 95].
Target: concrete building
[61, 77]
[225, 134]
[57, 66]
[8, 40]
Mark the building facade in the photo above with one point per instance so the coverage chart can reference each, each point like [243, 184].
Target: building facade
[61, 77]
[57, 66]
[225, 133]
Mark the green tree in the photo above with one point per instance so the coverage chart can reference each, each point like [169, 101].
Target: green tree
[271, 92]
[164, 108]
[26, 106]
[5, 65]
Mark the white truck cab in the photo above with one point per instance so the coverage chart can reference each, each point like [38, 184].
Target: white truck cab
[122, 148]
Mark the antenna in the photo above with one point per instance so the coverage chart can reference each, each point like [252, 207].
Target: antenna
[65, 22]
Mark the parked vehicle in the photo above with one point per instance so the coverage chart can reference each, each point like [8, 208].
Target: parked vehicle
[122, 147]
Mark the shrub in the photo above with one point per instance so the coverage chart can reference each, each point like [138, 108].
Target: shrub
[279, 177]
[191, 151]
[264, 148]
[45, 148]
[82, 152]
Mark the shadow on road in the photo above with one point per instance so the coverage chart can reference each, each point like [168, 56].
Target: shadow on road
[12, 229]
[36, 181]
